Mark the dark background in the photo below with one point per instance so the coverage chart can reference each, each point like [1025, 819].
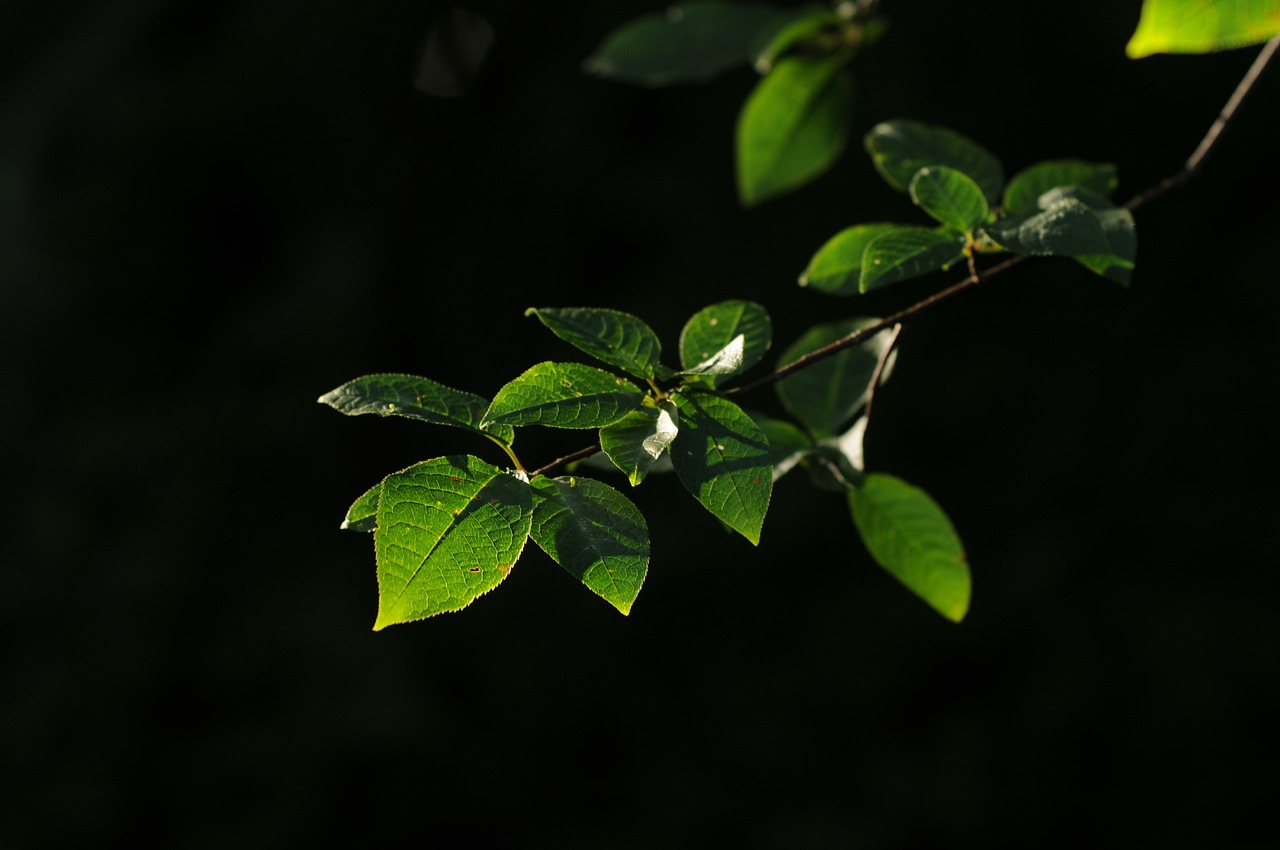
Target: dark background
[212, 213]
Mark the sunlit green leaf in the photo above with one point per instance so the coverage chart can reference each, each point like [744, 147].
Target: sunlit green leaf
[907, 252]
[595, 533]
[825, 395]
[722, 457]
[949, 196]
[414, 398]
[793, 126]
[687, 43]
[619, 339]
[1201, 26]
[911, 538]
[637, 441]
[564, 395]
[1026, 187]
[363, 513]
[837, 267]
[449, 529]
[713, 328]
[901, 148]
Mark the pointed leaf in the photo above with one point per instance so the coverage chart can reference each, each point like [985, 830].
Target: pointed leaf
[793, 126]
[907, 252]
[949, 196]
[564, 395]
[449, 530]
[1201, 26]
[616, 338]
[802, 25]
[911, 538]
[637, 441]
[1024, 190]
[1067, 227]
[826, 394]
[687, 43]
[713, 328]
[901, 148]
[595, 533]
[837, 267]
[413, 398]
[787, 444]
[722, 458]
[363, 513]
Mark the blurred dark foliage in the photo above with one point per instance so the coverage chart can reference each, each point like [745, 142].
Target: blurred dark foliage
[212, 213]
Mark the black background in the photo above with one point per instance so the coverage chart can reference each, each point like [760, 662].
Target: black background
[212, 213]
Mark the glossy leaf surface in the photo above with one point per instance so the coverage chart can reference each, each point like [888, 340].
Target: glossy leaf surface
[836, 268]
[722, 457]
[901, 148]
[913, 540]
[449, 530]
[564, 395]
[610, 336]
[825, 395]
[1202, 26]
[793, 126]
[1066, 227]
[714, 327]
[414, 398]
[686, 43]
[595, 533]
[907, 252]
[363, 513]
[949, 196]
[1022, 195]
[637, 441]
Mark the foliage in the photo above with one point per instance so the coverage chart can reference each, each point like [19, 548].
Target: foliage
[451, 528]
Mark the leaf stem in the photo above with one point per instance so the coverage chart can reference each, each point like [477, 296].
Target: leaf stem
[507, 448]
[879, 371]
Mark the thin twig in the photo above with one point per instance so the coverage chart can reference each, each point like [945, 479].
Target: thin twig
[904, 316]
[894, 335]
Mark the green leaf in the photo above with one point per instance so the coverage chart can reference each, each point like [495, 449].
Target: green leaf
[907, 252]
[449, 530]
[413, 398]
[1201, 26]
[1024, 190]
[826, 394]
[950, 197]
[901, 148]
[713, 328]
[616, 338]
[722, 458]
[687, 43]
[787, 444]
[363, 513]
[790, 30]
[636, 441]
[792, 127]
[837, 267]
[911, 538]
[1066, 227]
[564, 395]
[836, 463]
[595, 533]
[1117, 263]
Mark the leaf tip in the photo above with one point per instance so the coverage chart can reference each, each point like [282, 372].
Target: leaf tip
[532, 311]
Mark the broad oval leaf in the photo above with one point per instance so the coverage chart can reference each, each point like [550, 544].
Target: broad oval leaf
[687, 43]
[1202, 26]
[1023, 193]
[901, 148]
[907, 252]
[595, 533]
[788, 445]
[413, 398]
[837, 267]
[788, 31]
[722, 457]
[826, 394]
[713, 328]
[363, 513]
[793, 126]
[1066, 227]
[564, 395]
[637, 441]
[617, 338]
[949, 196]
[449, 530]
[913, 540]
